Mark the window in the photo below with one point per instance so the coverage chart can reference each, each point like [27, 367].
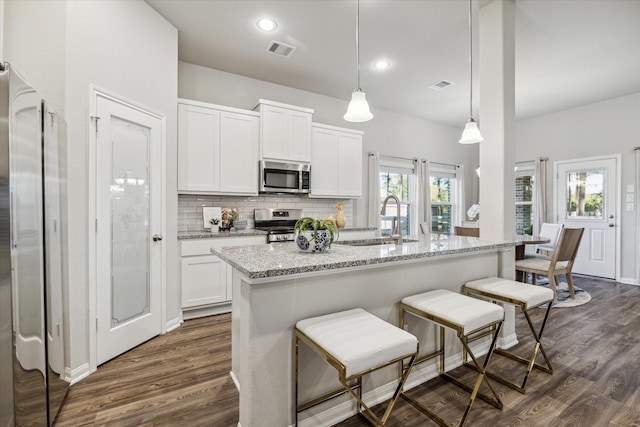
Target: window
[442, 179]
[525, 181]
[584, 194]
[397, 177]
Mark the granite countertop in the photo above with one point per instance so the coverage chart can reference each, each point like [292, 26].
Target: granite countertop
[284, 259]
[204, 234]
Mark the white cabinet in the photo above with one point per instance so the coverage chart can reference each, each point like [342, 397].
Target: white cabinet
[336, 162]
[206, 282]
[285, 131]
[217, 149]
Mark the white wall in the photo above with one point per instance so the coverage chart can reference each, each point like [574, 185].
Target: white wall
[388, 133]
[126, 48]
[608, 127]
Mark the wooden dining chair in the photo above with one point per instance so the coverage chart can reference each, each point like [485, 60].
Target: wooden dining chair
[560, 263]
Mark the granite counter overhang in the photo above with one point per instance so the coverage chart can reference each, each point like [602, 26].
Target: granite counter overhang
[276, 261]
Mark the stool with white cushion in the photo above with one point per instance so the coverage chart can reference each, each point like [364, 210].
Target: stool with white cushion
[355, 343]
[471, 319]
[526, 297]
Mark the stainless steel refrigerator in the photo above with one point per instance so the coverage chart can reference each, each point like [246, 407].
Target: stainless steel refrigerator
[32, 256]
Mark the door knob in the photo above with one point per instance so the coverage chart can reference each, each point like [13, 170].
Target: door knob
[157, 237]
[611, 225]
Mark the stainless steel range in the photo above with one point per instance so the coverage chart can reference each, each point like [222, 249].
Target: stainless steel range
[278, 223]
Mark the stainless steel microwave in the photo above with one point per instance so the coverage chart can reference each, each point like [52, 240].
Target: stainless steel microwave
[284, 177]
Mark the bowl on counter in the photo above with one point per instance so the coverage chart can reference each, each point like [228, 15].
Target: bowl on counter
[240, 224]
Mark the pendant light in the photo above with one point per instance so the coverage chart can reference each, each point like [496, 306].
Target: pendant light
[358, 109]
[471, 133]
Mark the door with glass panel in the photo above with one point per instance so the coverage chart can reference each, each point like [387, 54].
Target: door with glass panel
[128, 227]
[586, 198]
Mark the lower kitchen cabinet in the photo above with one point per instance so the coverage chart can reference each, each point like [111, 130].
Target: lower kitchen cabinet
[206, 281]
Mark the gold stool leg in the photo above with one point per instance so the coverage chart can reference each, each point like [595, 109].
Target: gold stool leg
[531, 361]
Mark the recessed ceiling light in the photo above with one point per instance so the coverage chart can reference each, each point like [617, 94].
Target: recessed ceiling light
[382, 64]
[267, 24]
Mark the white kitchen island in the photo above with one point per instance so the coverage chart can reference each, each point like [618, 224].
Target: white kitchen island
[275, 286]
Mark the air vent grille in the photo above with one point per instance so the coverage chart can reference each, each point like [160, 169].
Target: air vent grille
[440, 85]
[280, 49]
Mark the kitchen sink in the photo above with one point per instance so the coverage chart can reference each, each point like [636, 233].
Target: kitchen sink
[373, 242]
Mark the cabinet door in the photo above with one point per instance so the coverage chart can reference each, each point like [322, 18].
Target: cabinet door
[239, 139]
[204, 280]
[274, 132]
[198, 148]
[324, 162]
[349, 165]
[299, 142]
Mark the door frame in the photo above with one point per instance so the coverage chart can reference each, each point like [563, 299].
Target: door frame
[617, 204]
[92, 122]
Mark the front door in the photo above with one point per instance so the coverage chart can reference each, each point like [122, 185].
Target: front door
[128, 227]
[586, 198]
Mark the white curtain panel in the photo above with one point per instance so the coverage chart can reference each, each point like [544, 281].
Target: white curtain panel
[637, 149]
[540, 195]
[459, 202]
[424, 198]
[374, 192]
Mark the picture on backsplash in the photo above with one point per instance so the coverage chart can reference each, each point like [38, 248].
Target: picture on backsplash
[211, 213]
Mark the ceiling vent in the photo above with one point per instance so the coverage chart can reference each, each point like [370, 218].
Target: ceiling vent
[440, 85]
[280, 49]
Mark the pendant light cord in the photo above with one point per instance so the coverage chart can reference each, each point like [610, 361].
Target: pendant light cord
[358, 45]
[470, 64]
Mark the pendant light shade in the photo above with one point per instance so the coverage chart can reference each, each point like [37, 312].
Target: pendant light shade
[471, 133]
[358, 109]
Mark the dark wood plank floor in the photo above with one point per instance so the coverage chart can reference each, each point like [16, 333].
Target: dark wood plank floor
[183, 376]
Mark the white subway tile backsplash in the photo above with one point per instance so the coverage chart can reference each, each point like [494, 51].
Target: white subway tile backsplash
[190, 207]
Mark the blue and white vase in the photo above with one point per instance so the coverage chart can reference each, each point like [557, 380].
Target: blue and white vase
[313, 241]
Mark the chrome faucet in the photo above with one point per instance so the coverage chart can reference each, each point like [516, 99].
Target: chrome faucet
[398, 236]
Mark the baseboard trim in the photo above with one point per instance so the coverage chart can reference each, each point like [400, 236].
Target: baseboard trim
[507, 342]
[72, 376]
[173, 324]
[235, 380]
[194, 313]
[628, 281]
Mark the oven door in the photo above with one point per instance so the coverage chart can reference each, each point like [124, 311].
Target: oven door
[277, 177]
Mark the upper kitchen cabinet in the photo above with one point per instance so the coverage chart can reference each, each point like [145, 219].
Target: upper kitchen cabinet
[285, 131]
[336, 162]
[217, 149]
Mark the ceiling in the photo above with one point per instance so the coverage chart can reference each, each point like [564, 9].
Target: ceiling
[568, 52]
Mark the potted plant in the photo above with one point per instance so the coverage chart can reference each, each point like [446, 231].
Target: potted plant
[315, 235]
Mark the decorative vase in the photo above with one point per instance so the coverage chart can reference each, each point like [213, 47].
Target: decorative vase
[340, 217]
[313, 241]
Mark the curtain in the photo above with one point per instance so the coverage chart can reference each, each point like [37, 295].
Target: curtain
[374, 192]
[459, 203]
[637, 149]
[540, 195]
[424, 195]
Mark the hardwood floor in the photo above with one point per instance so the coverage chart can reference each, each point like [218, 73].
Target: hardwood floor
[183, 376]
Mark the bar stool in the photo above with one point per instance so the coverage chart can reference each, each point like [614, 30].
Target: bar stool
[355, 343]
[471, 319]
[526, 297]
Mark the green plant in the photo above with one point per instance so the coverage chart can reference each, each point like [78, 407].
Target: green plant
[214, 221]
[308, 223]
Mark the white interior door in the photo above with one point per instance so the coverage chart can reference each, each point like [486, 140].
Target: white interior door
[586, 198]
[128, 227]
